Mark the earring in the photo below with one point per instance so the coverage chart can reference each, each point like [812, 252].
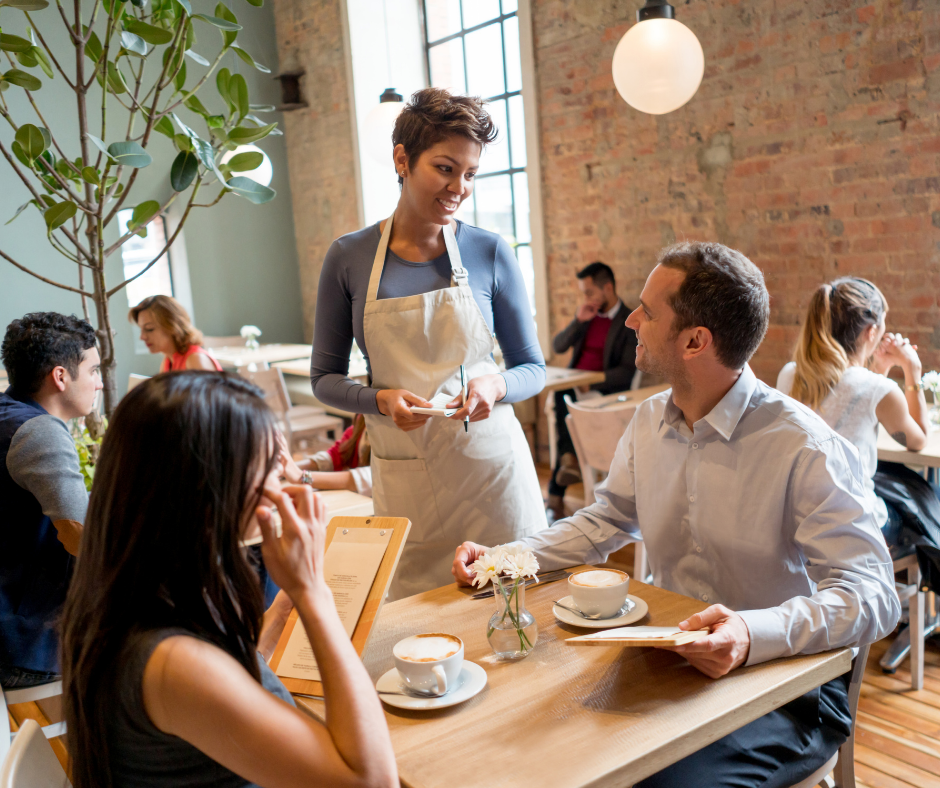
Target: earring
[402, 173]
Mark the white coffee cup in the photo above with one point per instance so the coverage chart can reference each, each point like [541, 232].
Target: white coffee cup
[430, 662]
[599, 592]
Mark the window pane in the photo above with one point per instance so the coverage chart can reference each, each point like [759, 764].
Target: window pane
[136, 254]
[527, 264]
[520, 187]
[443, 17]
[517, 132]
[513, 59]
[510, 5]
[485, 62]
[465, 211]
[496, 155]
[447, 66]
[494, 205]
[476, 12]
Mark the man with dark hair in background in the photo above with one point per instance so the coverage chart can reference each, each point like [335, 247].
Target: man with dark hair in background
[602, 343]
[53, 368]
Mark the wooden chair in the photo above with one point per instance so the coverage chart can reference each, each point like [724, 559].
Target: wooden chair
[596, 432]
[842, 764]
[10, 697]
[296, 420]
[31, 762]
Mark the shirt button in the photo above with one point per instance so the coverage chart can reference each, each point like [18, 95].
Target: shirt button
[698, 549]
[692, 499]
[694, 445]
[704, 597]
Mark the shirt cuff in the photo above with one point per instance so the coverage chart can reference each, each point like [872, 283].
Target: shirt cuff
[765, 628]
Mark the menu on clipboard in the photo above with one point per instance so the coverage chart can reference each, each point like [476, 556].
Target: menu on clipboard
[351, 564]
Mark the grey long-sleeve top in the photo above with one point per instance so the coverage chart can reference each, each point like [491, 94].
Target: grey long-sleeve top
[495, 280]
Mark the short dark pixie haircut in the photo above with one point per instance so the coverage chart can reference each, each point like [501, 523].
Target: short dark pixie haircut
[724, 292]
[433, 115]
[600, 273]
[39, 342]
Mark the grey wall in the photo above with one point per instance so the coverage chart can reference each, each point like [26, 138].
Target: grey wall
[242, 257]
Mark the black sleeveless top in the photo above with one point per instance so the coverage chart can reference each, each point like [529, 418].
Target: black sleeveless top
[143, 756]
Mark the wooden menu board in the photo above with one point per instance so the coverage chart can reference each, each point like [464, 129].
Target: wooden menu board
[400, 526]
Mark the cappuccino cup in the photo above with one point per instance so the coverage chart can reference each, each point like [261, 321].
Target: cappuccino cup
[429, 663]
[599, 592]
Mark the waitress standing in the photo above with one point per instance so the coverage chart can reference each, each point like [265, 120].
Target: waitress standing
[423, 293]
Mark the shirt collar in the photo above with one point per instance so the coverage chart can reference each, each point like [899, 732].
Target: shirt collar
[724, 417]
[612, 313]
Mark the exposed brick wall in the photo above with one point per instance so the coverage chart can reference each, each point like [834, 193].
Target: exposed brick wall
[812, 145]
[319, 136]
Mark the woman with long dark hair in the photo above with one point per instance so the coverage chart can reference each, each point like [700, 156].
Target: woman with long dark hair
[164, 627]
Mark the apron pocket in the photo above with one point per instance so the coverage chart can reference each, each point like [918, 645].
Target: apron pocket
[402, 488]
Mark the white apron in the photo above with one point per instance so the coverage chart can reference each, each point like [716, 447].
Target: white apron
[454, 486]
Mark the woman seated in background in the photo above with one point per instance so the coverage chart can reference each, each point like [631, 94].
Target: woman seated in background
[164, 640]
[844, 328]
[344, 466]
[165, 328]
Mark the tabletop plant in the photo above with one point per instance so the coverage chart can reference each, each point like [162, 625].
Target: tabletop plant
[132, 66]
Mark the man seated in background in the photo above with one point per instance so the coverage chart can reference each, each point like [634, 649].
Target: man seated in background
[53, 368]
[602, 343]
[747, 501]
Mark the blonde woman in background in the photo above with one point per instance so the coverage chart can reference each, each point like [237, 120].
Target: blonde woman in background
[839, 370]
[165, 328]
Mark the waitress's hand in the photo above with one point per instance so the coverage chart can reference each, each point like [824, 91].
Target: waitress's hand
[482, 394]
[397, 403]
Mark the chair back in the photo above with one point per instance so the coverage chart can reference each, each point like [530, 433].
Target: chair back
[135, 380]
[599, 431]
[271, 382]
[31, 762]
[11, 697]
[236, 341]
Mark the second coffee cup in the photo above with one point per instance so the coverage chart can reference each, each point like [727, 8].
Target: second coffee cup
[599, 592]
[429, 663]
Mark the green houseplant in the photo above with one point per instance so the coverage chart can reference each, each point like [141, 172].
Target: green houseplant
[126, 63]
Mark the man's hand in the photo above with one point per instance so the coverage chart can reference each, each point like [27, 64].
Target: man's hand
[466, 554]
[70, 534]
[587, 312]
[724, 649]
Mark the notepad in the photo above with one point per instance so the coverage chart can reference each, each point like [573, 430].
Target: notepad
[639, 636]
[438, 401]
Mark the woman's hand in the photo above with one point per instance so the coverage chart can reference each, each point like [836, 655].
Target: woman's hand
[288, 468]
[397, 403]
[482, 394]
[295, 558]
[896, 350]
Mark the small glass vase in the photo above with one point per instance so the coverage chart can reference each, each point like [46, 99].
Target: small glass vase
[512, 631]
[933, 415]
[251, 342]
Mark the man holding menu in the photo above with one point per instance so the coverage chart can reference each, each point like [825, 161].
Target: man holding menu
[744, 499]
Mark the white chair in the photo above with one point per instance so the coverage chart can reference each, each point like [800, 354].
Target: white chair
[842, 764]
[595, 433]
[10, 697]
[916, 631]
[31, 762]
[296, 420]
[135, 380]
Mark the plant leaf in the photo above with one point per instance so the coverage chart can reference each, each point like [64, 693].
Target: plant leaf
[197, 57]
[116, 79]
[183, 142]
[25, 5]
[238, 89]
[184, 170]
[244, 136]
[180, 79]
[93, 47]
[90, 175]
[256, 3]
[224, 12]
[222, 80]
[165, 127]
[129, 154]
[10, 43]
[149, 33]
[31, 140]
[215, 121]
[202, 149]
[186, 6]
[21, 79]
[59, 214]
[242, 162]
[22, 208]
[98, 144]
[20, 155]
[133, 43]
[262, 107]
[250, 190]
[44, 63]
[222, 24]
[196, 106]
[27, 59]
[143, 213]
[249, 59]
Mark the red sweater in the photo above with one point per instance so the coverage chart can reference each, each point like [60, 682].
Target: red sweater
[592, 352]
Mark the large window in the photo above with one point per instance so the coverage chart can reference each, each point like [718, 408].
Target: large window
[473, 48]
[137, 252]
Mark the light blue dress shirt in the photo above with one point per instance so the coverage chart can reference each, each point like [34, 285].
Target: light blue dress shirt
[760, 507]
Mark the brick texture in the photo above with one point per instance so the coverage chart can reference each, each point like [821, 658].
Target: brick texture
[812, 145]
[319, 136]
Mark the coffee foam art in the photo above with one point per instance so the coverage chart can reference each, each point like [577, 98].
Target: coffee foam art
[427, 648]
[599, 578]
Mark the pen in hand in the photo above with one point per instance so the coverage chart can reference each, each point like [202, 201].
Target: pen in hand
[463, 397]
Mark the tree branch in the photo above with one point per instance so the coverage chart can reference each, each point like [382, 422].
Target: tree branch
[49, 51]
[121, 241]
[198, 85]
[7, 257]
[76, 37]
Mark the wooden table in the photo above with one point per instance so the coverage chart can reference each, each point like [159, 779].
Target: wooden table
[241, 356]
[347, 503]
[890, 450]
[559, 379]
[301, 367]
[630, 398]
[568, 716]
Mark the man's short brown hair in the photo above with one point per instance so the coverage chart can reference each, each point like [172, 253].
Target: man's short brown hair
[434, 114]
[722, 291]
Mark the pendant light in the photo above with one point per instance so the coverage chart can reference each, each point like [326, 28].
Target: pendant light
[659, 63]
[380, 122]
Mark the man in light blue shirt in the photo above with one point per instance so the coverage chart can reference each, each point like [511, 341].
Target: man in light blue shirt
[745, 499]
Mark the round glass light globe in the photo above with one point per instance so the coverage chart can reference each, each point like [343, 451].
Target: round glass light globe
[262, 174]
[658, 66]
[380, 122]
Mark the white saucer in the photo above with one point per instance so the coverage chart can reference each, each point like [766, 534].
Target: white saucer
[639, 609]
[472, 680]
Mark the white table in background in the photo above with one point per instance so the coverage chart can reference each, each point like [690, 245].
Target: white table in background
[240, 356]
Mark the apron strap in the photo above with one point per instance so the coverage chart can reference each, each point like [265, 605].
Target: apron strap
[459, 274]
